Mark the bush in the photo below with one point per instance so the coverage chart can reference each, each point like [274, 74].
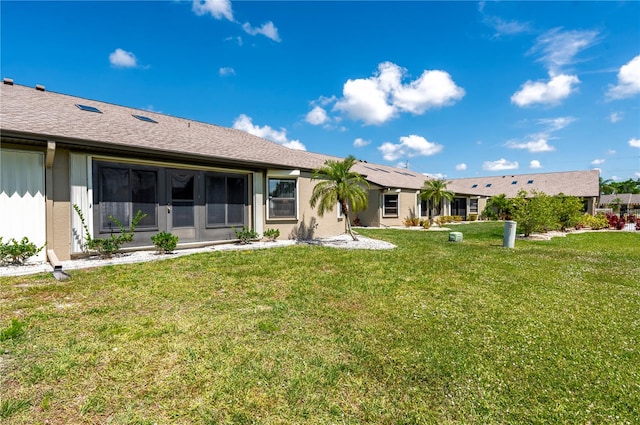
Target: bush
[271, 234]
[246, 235]
[473, 217]
[14, 252]
[568, 210]
[534, 214]
[411, 221]
[425, 224]
[108, 246]
[164, 242]
[596, 222]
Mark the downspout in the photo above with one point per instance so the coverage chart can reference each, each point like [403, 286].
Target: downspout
[58, 273]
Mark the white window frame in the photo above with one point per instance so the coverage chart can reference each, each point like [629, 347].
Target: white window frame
[283, 175]
[384, 210]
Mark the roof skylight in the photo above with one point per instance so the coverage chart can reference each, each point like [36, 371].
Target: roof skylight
[474, 186]
[145, 119]
[88, 108]
[488, 185]
[530, 182]
[514, 182]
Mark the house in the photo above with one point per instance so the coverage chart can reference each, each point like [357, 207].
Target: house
[629, 203]
[196, 180]
[471, 194]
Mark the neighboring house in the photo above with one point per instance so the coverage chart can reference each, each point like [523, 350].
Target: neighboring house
[628, 202]
[472, 193]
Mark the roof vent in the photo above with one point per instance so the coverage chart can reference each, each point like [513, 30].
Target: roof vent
[8, 81]
[39, 87]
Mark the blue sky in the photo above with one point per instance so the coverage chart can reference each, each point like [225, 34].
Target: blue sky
[453, 89]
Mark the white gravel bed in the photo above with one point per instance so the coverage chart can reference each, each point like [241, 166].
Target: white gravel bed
[342, 241]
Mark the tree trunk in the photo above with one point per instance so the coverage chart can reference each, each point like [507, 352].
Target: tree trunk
[347, 223]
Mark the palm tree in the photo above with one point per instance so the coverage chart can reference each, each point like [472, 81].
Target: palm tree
[339, 184]
[436, 191]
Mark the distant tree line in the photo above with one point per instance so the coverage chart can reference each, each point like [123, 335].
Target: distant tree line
[610, 187]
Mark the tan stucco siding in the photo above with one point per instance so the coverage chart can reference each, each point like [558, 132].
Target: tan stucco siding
[60, 206]
[407, 207]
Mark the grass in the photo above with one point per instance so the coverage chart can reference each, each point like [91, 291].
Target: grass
[431, 332]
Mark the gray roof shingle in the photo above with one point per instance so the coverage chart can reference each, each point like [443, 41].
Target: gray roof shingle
[575, 183]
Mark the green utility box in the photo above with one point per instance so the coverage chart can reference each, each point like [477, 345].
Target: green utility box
[455, 237]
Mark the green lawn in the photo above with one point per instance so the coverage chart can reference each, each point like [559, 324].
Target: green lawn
[431, 332]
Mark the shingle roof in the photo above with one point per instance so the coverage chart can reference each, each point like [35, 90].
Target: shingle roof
[25, 110]
[625, 199]
[45, 115]
[575, 183]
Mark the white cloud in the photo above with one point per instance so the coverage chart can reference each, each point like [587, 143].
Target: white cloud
[267, 29]
[597, 161]
[360, 142]
[634, 143]
[408, 147]
[438, 176]
[217, 8]
[317, 116]
[616, 116]
[433, 89]
[537, 143]
[226, 71]
[555, 124]
[611, 152]
[500, 165]
[559, 48]
[628, 80]
[461, 167]
[123, 59]
[535, 164]
[381, 97]
[236, 39]
[503, 27]
[244, 123]
[558, 88]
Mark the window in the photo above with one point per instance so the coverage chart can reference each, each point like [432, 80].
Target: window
[390, 205]
[473, 206]
[88, 108]
[123, 192]
[145, 119]
[282, 198]
[226, 197]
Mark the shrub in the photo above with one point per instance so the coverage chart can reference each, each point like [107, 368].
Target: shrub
[108, 246]
[568, 210]
[15, 252]
[164, 242]
[245, 235]
[533, 214]
[596, 222]
[473, 217]
[425, 224]
[411, 221]
[272, 234]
